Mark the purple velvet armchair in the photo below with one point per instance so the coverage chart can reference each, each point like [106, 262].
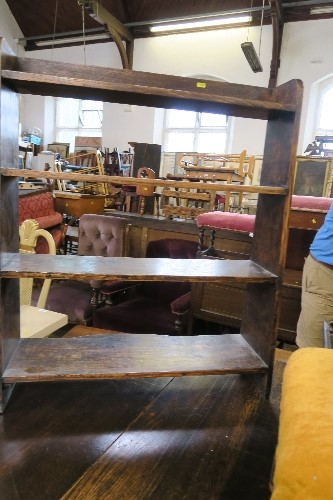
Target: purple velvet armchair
[99, 235]
[149, 307]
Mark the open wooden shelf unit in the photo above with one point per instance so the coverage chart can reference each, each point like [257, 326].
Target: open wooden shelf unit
[121, 356]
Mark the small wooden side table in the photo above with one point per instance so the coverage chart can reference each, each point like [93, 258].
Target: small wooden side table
[77, 204]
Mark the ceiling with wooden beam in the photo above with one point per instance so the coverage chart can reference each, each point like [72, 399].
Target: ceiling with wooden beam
[62, 22]
[74, 22]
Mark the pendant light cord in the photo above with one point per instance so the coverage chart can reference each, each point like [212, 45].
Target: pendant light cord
[84, 34]
[82, 4]
[54, 27]
[261, 23]
[249, 23]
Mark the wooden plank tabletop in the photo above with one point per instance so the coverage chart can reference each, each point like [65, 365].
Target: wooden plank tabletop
[130, 356]
[16, 265]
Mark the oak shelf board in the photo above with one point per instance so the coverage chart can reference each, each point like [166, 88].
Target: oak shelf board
[134, 181]
[130, 356]
[16, 265]
[34, 76]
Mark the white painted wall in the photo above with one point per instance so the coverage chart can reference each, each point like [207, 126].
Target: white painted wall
[9, 28]
[305, 54]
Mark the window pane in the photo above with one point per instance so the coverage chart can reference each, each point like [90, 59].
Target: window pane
[326, 114]
[211, 142]
[212, 120]
[67, 112]
[181, 119]
[92, 105]
[91, 119]
[76, 117]
[178, 141]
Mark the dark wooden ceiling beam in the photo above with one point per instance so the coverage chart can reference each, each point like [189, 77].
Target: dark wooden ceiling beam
[116, 30]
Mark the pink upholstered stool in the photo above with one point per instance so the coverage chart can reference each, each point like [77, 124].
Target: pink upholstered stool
[222, 220]
[245, 222]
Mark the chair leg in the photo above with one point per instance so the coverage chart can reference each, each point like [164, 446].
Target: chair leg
[210, 252]
[179, 325]
[96, 298]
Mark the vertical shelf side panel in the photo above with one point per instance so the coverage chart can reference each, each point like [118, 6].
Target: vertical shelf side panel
[269, 249]
[9, 241]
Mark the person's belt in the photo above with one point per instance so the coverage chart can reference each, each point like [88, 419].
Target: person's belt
[329, 266]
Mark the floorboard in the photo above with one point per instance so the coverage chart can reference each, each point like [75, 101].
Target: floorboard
[196, 437]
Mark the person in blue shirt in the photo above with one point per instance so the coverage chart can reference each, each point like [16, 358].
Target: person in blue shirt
[317, 287]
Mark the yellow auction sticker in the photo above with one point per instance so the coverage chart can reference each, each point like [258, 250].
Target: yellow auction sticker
[201, 85]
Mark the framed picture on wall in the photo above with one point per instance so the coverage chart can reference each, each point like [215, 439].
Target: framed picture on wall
[59, 147]
[313, 177]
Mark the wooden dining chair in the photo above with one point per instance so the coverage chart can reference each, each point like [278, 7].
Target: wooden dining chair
[29, 232]
[35, 321]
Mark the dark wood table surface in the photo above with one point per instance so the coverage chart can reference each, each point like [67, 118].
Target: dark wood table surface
[192, 437]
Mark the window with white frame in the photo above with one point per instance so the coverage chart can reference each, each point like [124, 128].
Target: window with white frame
[192, 131]
[75, 117]
[324, 117]
[325, 109]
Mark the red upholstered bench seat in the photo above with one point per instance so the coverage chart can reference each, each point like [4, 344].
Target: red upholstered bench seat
[245, 222]
[40, 207]
[227, 220]
[311, 203]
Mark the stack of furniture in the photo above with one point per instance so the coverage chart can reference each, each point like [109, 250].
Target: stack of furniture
[186, 203]
[179, 201]
[229, 168]
[252, 351]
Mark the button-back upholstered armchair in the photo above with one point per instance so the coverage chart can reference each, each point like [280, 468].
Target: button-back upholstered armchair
[100, 235]
[149, 307]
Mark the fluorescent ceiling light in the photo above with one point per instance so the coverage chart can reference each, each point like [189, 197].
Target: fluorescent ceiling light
[61, 41]
[251, 56]
[201, 24]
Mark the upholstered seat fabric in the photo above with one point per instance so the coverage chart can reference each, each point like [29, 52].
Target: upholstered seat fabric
[304, 454]
[227, 220]
[99, 235]
[246, 222]
[311, 203]
[40, 207]
[152, 306]
[71, 297]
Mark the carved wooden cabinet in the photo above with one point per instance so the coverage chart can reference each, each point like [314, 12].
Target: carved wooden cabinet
[121, 356]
